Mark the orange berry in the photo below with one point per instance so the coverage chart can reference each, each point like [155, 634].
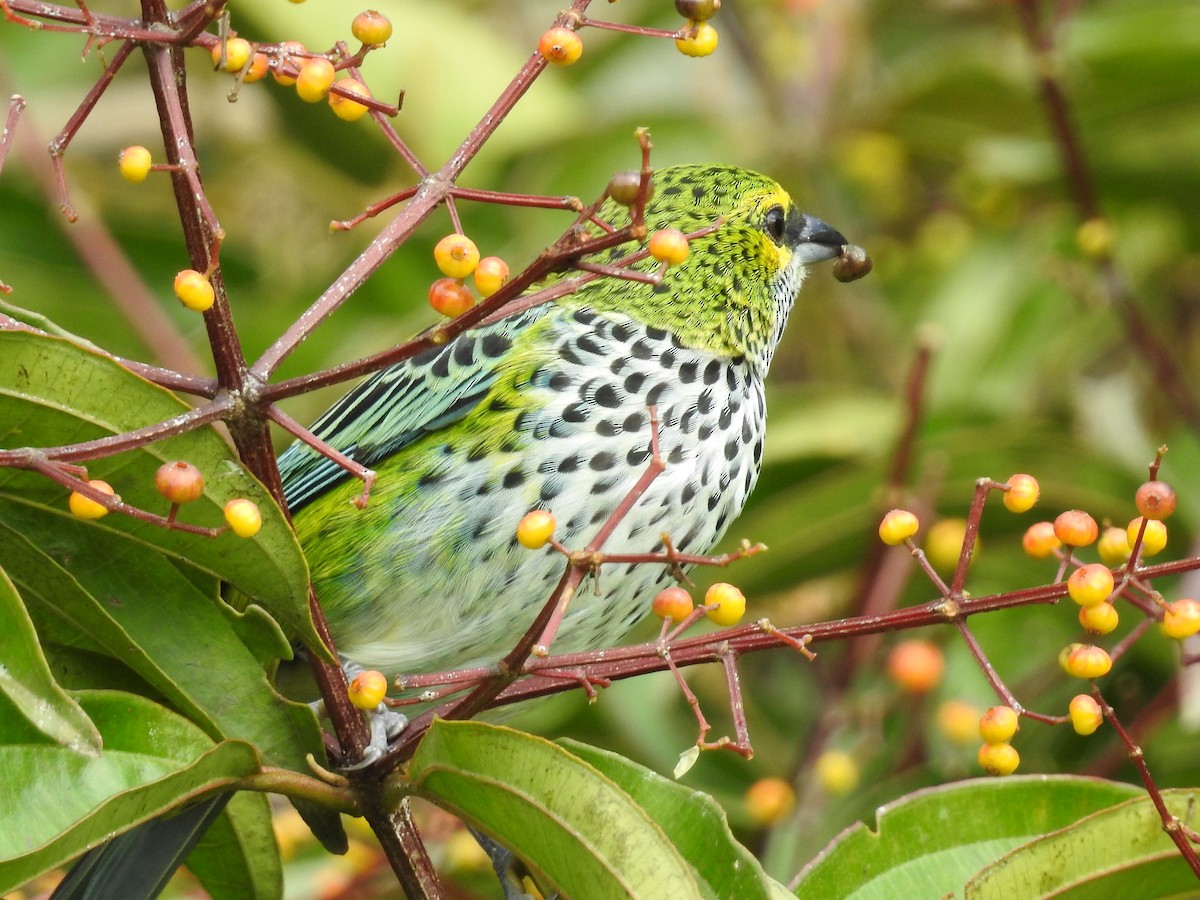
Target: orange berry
[1090, 584]
[194, 290]
[999, 759]
[1088, 661]
[535, 529]
[490, 275]
[1076, 528]
[672, 603]
[450, 298]
[1181, 619]
[944, 542]
[958, 721]
[669, 245]
[999, 724]
[1102, 618]
[898, 526]
[258, 68]
[237, 54]
[367, 689]
[85, 507]
[456, 255]
[243, 517]
[837, 772]
[1065, 654]
[1023, 492]
[134, 163]
[179, 481]
[316, 75]
[729, 604]
[769, 800]
[1040, 540]
[1113, 546]
[1155, 500]
[1153, 539]
[560, 46]
[1085, 714]
[916, 665]
[702, 40]
[292, 51]
[345, 108]
[371, 27]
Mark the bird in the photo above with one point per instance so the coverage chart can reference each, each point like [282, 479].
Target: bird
[550, 408]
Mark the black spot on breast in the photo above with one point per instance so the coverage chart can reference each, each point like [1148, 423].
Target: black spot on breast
[634, 422]
[425, 356]
[688, 492]
[576, 412]
[618, 365]
[441, 365]
[732, 447]
[758, 451]
[570, 464]
[607, 395]
[688, 422]
[726, 418]
[567, 354]
[430, 479]
[661, 288]
[637, 456]
[549, 491]
[515, 478]
[589, 343]
[559, 381]
[494, 345]
[602, 461]
[655, 393]
[642, 349]
[607, 428]
[705, 431]
[624, 331]
[585, 316]
[712, 372]
[464, 352]
[747, 432]
[603, 486]
[675, 457]
[478, 452]
[731, 379]
[667, 359]
[656, 334]
[687, 372]
[634, 382]
[704, 403]
[713, 500]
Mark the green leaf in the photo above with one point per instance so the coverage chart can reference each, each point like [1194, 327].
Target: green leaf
[237, 857]
[26, 681]
[1119, 852]
[70, 802]
[576, 828]
[54, 392]
[694, 822]
[931, 842]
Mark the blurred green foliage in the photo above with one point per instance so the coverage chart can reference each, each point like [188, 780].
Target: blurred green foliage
[917, 129]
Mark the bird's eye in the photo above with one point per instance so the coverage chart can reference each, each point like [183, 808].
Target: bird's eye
[775, 223]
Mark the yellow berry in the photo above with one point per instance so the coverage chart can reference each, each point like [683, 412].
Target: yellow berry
[701, 39]
[1085, 714]
[1088, 661]
[958, 721]
[1095, 238]
[1113, 546]
[258, 68]
[669, 245]
[898, 526]
[837, 772]
[194, 290]
[490, 275]
[1181, 619]
[371, 27]
[1155, 500]
[535, 529]
[999, 759]
[1076, 528]
[292, 51]
[769, 800]
[345, 108]
[450, 298]
[1090, 584]
[456, 255]
[1099, 619]
[944, 542]
[1065, 654]
[237, 54]
[85, 507]
[672, 603]
[916, 665]
[729, 604]
[1154, 538]
[999, 724]
[1040, 540]
[316, 75]
[560, 46]
[1022, 493]
[367, 689]
[243, 517]
[179, 481]
[134, 163]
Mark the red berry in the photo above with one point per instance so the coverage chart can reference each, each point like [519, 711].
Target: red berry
[1040, 540]
[1076, 528]
[450, 298]
[672, 603]
[916, 666]
[1155, 500]
[179, 481]
[560, 46]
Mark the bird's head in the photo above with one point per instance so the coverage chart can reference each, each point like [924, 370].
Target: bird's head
[734, 291]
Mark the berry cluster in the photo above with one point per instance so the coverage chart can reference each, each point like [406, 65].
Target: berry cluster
[458, 259]
[697, 37]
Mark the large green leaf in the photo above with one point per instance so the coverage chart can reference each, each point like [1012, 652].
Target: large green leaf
[54, 392]
[930, 843]
[575, 827]
[70, 802]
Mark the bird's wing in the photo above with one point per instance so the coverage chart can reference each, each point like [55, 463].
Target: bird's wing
[394, 407]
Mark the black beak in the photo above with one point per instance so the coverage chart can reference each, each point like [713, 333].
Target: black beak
[818, 241]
